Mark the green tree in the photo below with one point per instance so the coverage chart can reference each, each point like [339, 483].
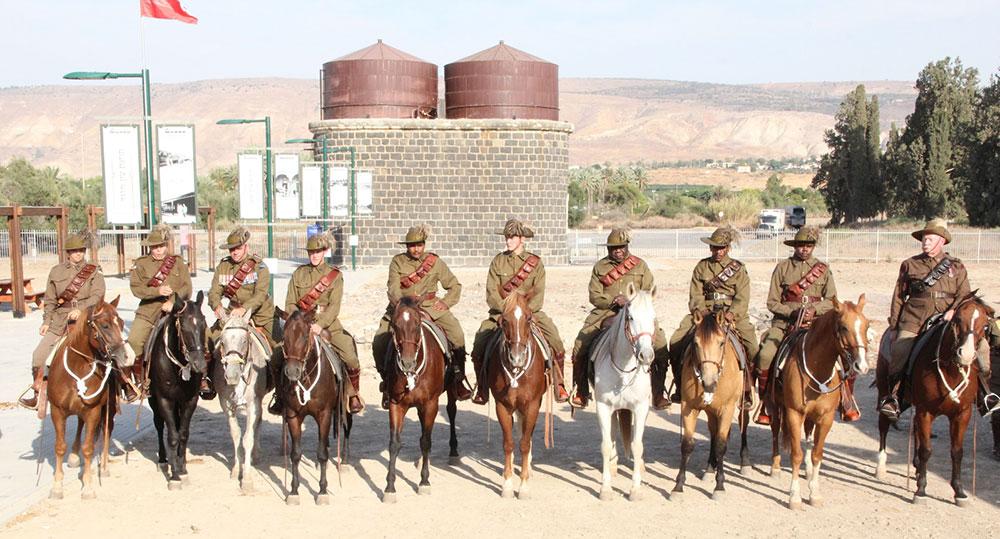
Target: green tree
[982, 166]
[775, 193]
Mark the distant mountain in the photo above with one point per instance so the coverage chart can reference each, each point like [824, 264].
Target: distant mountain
[615, 120]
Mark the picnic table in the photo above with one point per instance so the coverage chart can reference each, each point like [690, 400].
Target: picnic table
[30, 296]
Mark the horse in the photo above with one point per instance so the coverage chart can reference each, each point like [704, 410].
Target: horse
[415, 378]
[312, 385]
[517, 379]
[944, 380]
[622, 357]
[240, 379]
[78, 385]
[175, 355]
[819, 362]
[712, 381]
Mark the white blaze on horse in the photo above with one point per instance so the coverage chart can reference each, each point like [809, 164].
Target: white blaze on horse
[240, 380]
[622, 356]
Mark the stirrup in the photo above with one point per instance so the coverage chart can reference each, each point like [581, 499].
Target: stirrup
[991, 408]
[890, 408]
[21, 399]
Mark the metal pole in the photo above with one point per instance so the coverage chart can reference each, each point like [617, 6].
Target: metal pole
[148, 121]
[326, 192]
[270, 198]
[354, 212]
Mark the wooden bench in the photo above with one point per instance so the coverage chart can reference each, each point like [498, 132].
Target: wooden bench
[30, 296]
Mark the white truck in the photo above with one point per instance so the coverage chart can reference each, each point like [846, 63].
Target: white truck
[771, 221]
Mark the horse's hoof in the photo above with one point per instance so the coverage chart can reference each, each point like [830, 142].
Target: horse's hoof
[247, 487]
[389, 497]
[55, 494]
[455, 460]
[292, 499]
[964, 501]
[795, 505]
[507, 493]
[174, 484]
[816, 502]
[323, 499]
[73, 460]
[88, 495]
[606, 495]
[919, 500]
[424, 490]
[881, 475]
[524, 494]
[718, 495]
[745, 470]
[635, 495]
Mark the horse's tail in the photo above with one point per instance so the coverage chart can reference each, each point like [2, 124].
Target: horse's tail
[625, 427]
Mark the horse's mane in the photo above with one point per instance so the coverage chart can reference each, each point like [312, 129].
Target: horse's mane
[80, 325]
[512, 299]
[409, 301]
[708, 327]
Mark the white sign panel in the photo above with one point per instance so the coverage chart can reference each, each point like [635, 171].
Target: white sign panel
[286, 186]
[122, 174]
[251, 178]
[312, 190]
[340, 197]
[175, 163]
[365, 196]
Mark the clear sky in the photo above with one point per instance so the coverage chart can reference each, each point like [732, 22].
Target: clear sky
[725, 41]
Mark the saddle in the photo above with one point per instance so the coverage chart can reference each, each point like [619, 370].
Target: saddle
[496, 337]
[439, 337]
[781, 357]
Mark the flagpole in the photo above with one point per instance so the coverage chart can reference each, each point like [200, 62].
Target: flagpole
[147, 122]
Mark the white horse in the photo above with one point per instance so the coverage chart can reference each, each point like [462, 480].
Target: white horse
[622, 356]
[240, 379]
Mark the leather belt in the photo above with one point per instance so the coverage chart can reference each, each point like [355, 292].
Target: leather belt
[938, 295]
[717, 296]
[804, 299]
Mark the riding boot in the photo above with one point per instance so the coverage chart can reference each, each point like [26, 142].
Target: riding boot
[206, 391]
[995, 423]
[482, 395]
[385, 395]
[658, 378]
[848, 406]
[131, 381]
[763, 418]
[463, 390]
[559, 363]
[675, 368]
[277, 406]
[581, 383]
[31, 402]
[889, 406]
[356, 404]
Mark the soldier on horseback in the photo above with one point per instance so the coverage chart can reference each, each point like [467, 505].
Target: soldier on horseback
[243, 279]
[319, 286]
[929, 284]
[418, 273]
[802, 288]
[71, 287]
[154, 279]
[516, 269]
[608, 282]
[717, 283]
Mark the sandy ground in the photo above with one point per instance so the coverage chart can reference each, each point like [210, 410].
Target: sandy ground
[566, 478]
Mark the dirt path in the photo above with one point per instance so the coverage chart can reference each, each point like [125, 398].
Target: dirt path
[566, 479]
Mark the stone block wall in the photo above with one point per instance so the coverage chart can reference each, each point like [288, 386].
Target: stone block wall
[464, 178]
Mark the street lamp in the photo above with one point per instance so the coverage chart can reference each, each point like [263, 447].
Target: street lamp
[266, 120]
[146, 120]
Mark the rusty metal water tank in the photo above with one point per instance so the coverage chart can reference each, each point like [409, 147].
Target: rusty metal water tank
[502, 82]
[379, 82]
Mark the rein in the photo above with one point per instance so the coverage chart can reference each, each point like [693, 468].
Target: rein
[303, 393]
[81, 382]
[183, 368]
[633, 339]
[954, 392]
[411, 374]
[513, 378]
[824, 388]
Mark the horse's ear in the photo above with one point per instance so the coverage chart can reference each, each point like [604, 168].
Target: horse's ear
[837, 305]
[281, 313]
[247, 315]
[697, 317]
[178, 303]
[630, 290]
[652, 291]
[200, 298]
[114, 302]
[861, 301]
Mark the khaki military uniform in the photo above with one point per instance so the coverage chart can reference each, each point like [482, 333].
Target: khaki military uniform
[602, 298]
[252, 295]
[819, 296]
[57, 316]
[734, 295]
[504, 267]
[327, 308]
[911, 309]
[403, 265]
[150, 300]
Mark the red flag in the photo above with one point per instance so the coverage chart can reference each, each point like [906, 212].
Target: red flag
[166, 9]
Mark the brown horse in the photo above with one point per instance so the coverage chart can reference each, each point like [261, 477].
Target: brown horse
[833, 348]
[78, 384]
[415, 379]
[711, 381]
[310, 387]
[516, 377]
[943, 381]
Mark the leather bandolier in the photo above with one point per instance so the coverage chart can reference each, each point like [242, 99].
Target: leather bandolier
[720, 280]
[529, 265]
[74, 286]
[619, 271]
[236, 281]
[162, 273]
[919, 286]
[421, 272]
[308, 301]
[794, 292]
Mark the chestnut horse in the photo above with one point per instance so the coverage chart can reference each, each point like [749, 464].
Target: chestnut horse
[712, 381]
[516, 377]
[311, 385]
[78, 384]
[415, 379]
[175, 352]
[944, 380]
[833, 349]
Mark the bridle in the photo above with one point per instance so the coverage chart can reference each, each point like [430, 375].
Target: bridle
[303, 392]
[844, 365]
[104, 361]
[965, 371]
[633, 339]
[720, 364]
[507, 345]
[184, 368]
[411, 372]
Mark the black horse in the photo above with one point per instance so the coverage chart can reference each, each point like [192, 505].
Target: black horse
[175, 353]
